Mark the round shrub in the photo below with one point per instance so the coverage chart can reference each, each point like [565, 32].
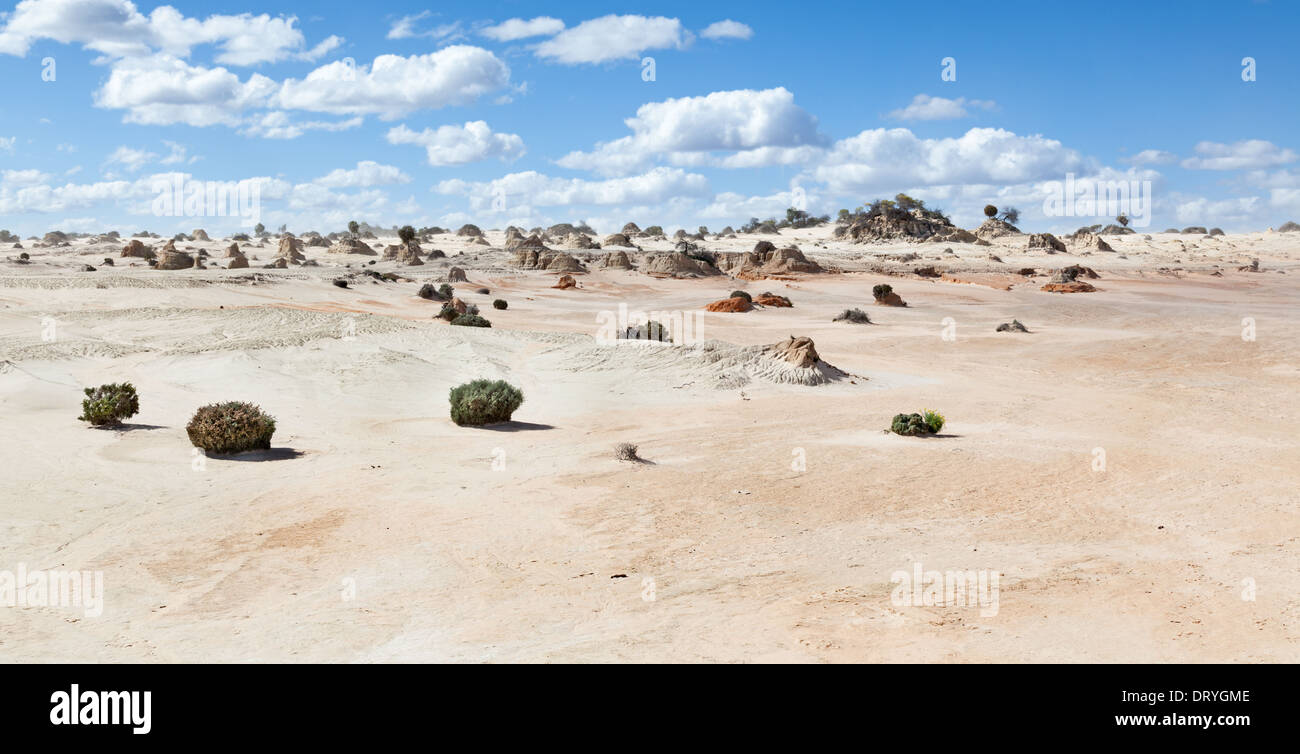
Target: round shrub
[232, 427]
[484, 402]
[741, 294]
[406, 233]
[499, 304]
[448, 312]
[882, 290]
[109, 404]
[471, 320]
[990, 210]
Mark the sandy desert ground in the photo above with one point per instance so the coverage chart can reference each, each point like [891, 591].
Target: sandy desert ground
[377, 530]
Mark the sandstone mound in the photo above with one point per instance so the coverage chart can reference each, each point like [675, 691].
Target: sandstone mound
[713, 364]
[766, 261]
[171, 259]
[676, 264]
[529, 258]
[1046, 242]
[237, 260]
[734, 305]
[617, 239]
[1066, 280]
[578, 240]
[884, 296]
[565, 281]
[616, 260]
[1090, 241]
[771, 299]
[405, 253]
[199, 234]
[352, 246]
[233, 251]
[469, 230]
[630, 230]
[897, 225]
[995, 228]
[290, 250]
[133, 248]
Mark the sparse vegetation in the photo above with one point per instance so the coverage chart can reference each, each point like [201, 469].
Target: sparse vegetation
[484, 402]
[626, 451]
[232, 427]
[741, 294]
[448, 312]
[109, 404]
[916, 425]
[471, 320]
[882, 290]
[854, 316]
[499, 304]
[406, 233]
[990, 210]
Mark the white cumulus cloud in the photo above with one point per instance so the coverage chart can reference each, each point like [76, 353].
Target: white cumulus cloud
[458, 145]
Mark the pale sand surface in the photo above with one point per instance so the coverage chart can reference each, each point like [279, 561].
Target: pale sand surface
[371, 486]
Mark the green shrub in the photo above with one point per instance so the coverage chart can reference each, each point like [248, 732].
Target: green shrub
[471, 320]
[109, 404]
[882, 290]
[232, 427]
[484, 402]
[499, 304]
[448, 312]
[741, 294]
[916, 425]
[933, 419]
[406, 233]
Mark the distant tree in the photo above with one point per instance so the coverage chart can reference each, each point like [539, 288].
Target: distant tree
[990, 210]
[406, 233]
[1011, 215]
[1122, 220]
[907, 203]
[844, 216]
[354, 228]
[259, 229]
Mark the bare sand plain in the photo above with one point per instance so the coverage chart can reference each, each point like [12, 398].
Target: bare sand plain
[377, 530]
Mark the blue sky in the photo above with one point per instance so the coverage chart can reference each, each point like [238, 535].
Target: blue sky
[534, 113]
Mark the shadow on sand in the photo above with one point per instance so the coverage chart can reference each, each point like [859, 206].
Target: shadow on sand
[130, 427]
[274, 454]
[513, 426]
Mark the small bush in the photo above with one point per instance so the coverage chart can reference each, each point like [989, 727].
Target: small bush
[626, 451]
[406, 233]
[916, 425]
[471, 320]
[855, 316]
[445, 290]
[741, 294]
[499, 304]
[231, 427]
[882, 290]
[482, 291]
[990, 210]
[484, 402]
[933, 419]
[448, 312]
[109, 404]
